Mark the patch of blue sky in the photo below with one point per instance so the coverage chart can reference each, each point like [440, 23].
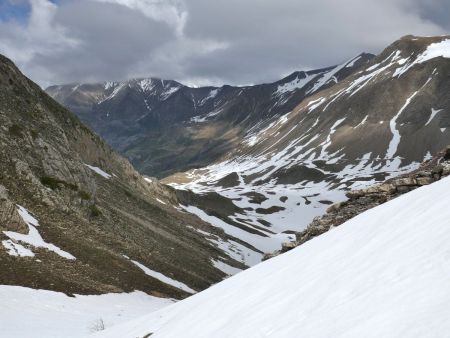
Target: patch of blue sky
[11, 10]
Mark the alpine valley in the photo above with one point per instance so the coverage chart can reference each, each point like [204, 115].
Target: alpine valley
[118, 199]
[269, 158]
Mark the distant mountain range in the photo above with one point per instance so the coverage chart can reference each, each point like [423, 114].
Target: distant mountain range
[164, 127]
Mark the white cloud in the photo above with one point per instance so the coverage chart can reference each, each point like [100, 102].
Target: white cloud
[41, 35]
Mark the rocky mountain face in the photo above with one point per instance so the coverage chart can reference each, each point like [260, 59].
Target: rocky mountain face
[76, 217]
[379, 122]
[164, 127]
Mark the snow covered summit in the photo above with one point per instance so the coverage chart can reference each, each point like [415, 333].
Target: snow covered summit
[384, 273]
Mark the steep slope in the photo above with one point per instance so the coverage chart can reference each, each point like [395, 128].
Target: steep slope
[381, 274]
[164, 127]
[76, 217]
[376, 124]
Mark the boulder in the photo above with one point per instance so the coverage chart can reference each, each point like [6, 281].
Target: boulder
[288, 246]
[447, 153]
[354, 194]
[424, 180]
[404, 181]
[10, 219]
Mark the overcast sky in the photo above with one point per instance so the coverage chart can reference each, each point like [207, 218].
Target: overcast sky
[202, 42]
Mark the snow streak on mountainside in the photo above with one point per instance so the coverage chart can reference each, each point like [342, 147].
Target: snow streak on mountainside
[380, 274]
[378, 123]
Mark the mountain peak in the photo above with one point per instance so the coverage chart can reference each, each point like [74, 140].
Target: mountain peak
[411, 46]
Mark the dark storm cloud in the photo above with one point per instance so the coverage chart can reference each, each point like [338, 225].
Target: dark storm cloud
[204, 41]
[437, 11]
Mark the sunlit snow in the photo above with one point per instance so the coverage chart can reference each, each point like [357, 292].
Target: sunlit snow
[383, 273]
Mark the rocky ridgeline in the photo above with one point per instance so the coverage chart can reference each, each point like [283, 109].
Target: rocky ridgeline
[361, 200]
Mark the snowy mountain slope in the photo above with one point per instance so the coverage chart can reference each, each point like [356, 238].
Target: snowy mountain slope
[377, 123]
[380, 274]
[75, 217]
[164, 127]
[40, 313]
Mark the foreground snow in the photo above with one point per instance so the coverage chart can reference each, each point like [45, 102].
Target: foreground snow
[26, 313]
[382, 274]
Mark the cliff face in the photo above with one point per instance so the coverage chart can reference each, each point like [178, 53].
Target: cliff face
[76, 217]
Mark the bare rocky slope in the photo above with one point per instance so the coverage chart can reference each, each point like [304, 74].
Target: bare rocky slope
[163, 126]
[76, 217]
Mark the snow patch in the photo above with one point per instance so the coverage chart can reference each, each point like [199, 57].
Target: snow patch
[33, 238]
[16, 249]
[166, 280]
[146, 85]
[362, 122]
[433, 114]
[297, 83]
[434, 50]
[99, 171]
[351, 63]
[212, 94]
[162, 202]
[228, 269]
[395, 141]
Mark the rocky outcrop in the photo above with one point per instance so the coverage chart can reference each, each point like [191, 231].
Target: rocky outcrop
[365, 199]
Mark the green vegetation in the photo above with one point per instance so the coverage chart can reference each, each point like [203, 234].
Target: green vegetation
[54, 183]
[95, 211]
[16, 130]
[34, 133]
[84, 195]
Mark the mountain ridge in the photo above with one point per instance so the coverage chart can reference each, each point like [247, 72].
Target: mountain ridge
[139, 118]
[351, 135]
